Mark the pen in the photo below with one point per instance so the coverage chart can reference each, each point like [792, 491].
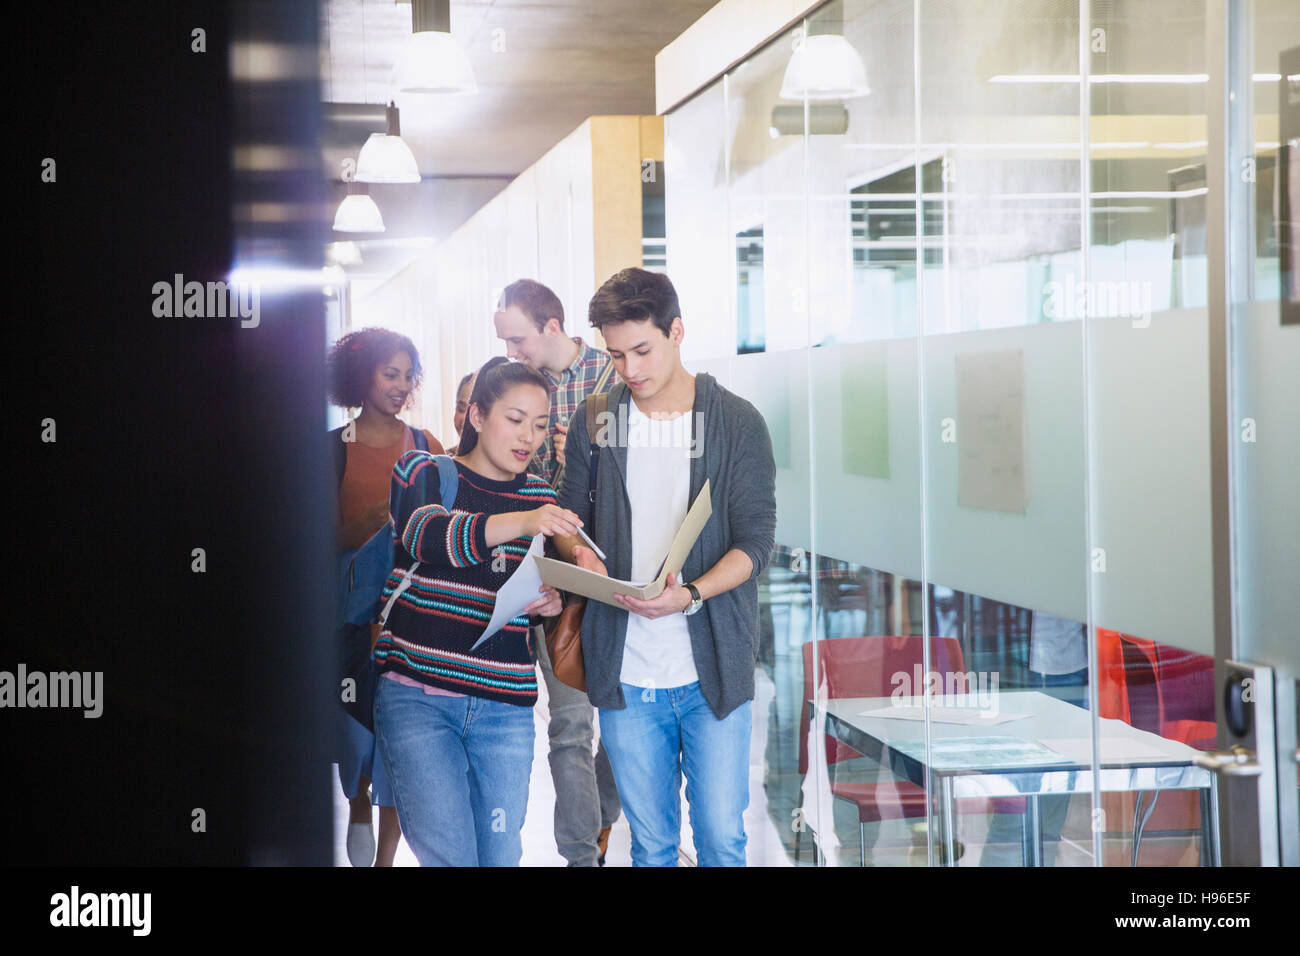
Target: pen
[594, 546]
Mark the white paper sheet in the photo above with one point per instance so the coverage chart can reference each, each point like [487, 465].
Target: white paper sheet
[1111, 749]
[980, 753]
[520, 590]
[971, 716]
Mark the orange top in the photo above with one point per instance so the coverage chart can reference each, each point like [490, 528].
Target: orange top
[368, 474]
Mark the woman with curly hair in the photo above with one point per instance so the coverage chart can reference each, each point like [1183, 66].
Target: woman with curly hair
[376, 371]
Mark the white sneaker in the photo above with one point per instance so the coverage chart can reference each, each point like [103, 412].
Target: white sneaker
[361, 844]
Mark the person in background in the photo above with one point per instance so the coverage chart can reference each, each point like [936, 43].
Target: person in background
[455, 721]
[673, 676]
[462, 406]
[378, 372]
[530, 319]
[1058, 665]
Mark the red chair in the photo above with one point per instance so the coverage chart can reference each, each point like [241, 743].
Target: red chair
[1167, 691]
[1182, 683]
[864, 667]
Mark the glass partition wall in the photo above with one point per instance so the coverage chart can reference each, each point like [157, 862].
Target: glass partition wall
[959, 256]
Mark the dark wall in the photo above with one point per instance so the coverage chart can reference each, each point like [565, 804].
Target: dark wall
[172, 434]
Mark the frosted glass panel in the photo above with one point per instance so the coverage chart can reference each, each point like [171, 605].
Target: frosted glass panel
[1265, 432]
[700, 254]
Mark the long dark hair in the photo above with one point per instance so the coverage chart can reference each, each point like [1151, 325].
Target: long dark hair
[496, 377]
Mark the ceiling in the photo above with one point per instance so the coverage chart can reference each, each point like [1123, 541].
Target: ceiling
[563, 60]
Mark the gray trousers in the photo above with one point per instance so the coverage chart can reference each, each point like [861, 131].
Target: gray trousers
[586, 799]
[1002, 846]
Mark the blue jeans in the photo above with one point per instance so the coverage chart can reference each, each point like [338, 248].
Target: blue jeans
[459, 770]
[658, 735]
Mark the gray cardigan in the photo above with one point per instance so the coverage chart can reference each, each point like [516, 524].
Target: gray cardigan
[737, 459]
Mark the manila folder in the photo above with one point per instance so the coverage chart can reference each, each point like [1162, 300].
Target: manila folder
[598, 587]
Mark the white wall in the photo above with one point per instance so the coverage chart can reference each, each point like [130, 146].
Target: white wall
[538, 227]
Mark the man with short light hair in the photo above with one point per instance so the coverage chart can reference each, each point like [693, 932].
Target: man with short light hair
[530, 319]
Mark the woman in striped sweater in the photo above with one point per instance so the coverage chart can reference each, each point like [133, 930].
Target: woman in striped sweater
[455, 724]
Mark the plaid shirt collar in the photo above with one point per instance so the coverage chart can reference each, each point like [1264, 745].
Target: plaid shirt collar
[570, 388]
[586, 358]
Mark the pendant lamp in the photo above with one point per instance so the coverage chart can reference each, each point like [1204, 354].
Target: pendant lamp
[358, 212]
[385, 157]
[824, 65]
[432, 62]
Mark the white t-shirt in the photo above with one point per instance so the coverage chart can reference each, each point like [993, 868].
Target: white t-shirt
[1056, 645]
[657, 653]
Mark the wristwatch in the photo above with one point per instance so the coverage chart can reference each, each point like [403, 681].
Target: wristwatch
[697, 602]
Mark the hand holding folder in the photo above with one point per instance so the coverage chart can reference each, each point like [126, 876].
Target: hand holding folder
[598, 587]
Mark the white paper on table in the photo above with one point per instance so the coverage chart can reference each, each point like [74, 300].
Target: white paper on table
[1079, 749]
[972, 716]
[520, 590]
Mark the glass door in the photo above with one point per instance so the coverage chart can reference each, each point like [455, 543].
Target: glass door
[1259, 655]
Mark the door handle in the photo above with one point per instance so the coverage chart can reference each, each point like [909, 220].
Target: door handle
[1238, 762]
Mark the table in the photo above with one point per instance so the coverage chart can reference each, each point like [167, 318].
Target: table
[1130, 760]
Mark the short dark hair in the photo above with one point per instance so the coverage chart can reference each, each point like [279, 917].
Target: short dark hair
[635, 295]
[497, 375]
[534, 300]
[353, 359]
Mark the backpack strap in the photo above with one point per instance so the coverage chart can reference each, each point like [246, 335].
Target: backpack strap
[558, 478]
[604, 377]
[448, 484]
[397, 592]
[597, 405]
[340, 453]
[448, 480]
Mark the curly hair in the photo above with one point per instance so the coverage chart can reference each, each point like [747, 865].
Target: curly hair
[353, 359]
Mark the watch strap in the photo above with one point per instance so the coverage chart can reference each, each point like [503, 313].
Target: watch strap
[696, 601]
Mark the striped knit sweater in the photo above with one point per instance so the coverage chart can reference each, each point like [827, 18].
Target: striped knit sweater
[436, 620]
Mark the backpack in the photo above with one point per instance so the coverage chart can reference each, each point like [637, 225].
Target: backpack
[364, 573]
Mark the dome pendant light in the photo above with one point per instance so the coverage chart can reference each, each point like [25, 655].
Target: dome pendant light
[385, 158]
[358, 212]
[825, 66]
[432, 62]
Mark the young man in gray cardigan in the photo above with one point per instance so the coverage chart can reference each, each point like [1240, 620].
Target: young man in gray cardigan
[673, 677]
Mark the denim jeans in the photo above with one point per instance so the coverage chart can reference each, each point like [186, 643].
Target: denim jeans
[459, 770]
[586, 798]
[660, 734]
